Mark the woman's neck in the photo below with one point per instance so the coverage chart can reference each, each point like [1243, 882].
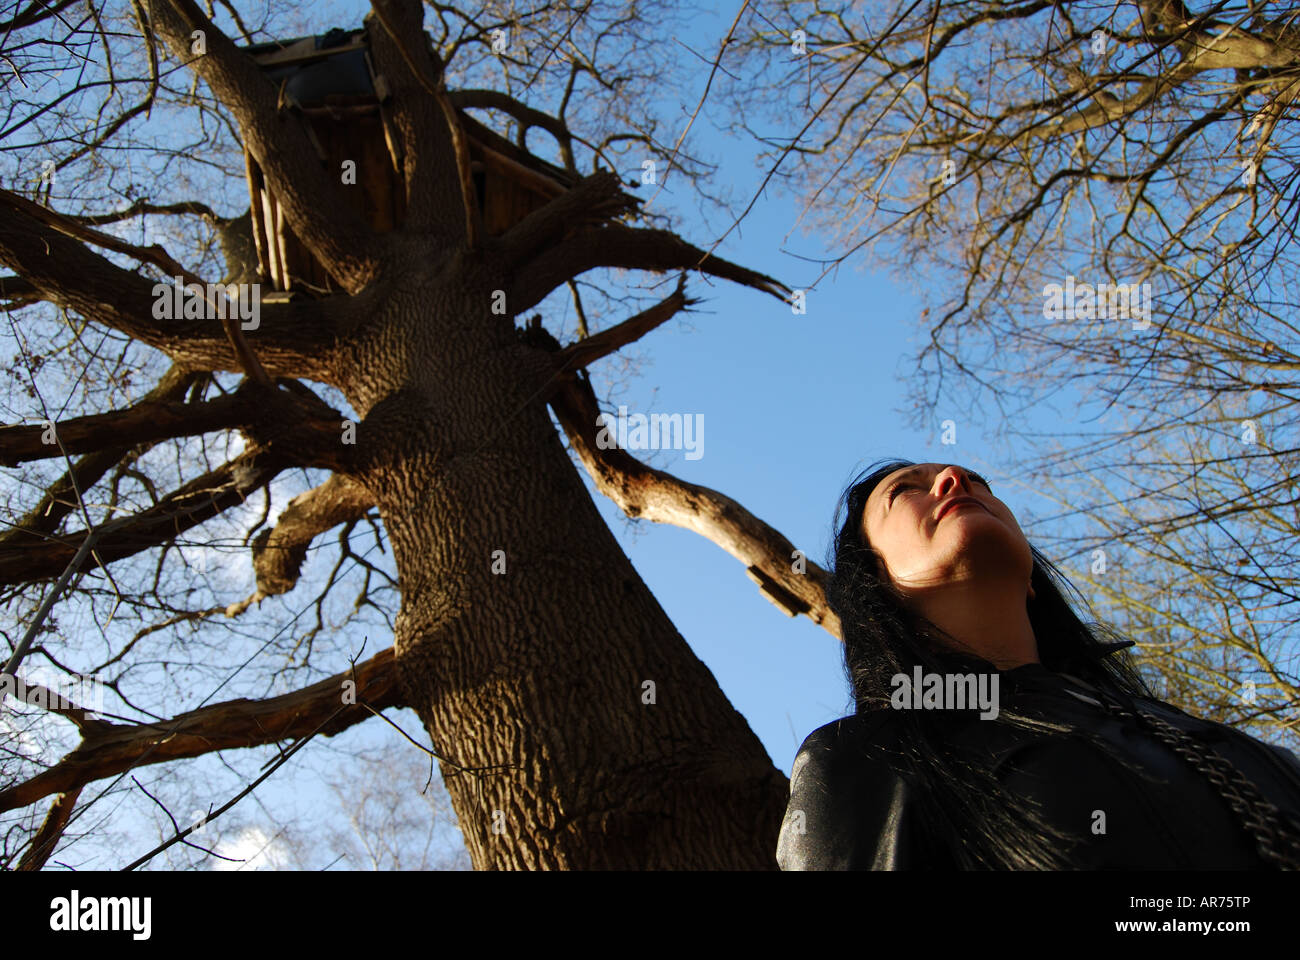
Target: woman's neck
[989, 621]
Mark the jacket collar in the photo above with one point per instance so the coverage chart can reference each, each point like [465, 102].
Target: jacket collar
[1035, 676]
[1027, 669]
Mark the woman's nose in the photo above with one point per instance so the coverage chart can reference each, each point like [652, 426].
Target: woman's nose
[952, 477]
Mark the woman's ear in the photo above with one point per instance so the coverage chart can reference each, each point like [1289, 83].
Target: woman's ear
[1031, 592]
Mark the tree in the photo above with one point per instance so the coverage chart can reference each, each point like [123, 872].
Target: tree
[573, 725]
[1017, 152]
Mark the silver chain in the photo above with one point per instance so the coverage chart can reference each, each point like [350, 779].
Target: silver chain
[1275, 839]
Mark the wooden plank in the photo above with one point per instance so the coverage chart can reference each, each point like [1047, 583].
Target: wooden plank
[504, 166]
[343, 111]
[272, 240]
[286, 280]
[394, 147]
[256, 186]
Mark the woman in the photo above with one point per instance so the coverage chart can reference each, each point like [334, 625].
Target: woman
[1074, 765]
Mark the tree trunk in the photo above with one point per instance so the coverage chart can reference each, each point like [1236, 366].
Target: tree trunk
[590, 734]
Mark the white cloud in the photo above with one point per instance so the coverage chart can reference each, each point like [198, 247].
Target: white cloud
[250, 849]
[19, 740]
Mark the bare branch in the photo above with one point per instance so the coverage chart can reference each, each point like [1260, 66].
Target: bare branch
[526, 115]
[184, 208]
[220, 726]
[584, 352]
[615, 245]
[291, 336]
[150, 420]
[47, 837]
[642, 491]
[187, 507]
[18, 289]
[60, 498]
[36, 11]
[594, 200]
[155, 255]
[278, 553]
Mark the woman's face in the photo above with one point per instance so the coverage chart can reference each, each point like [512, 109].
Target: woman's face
[936, 524]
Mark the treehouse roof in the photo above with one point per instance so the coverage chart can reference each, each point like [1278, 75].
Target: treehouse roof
[334, 69]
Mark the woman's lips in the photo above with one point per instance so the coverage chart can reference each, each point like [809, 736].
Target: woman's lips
[956, 504]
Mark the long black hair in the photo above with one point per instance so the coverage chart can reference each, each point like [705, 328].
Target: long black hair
[884, 638]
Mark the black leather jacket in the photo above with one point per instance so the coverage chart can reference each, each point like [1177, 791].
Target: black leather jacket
[859, 813]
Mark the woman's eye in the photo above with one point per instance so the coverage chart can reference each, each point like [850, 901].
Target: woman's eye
[893, 492]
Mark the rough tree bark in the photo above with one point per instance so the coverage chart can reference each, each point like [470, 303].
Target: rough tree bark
[535, 675]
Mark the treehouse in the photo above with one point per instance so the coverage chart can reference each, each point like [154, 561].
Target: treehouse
[331, 80]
